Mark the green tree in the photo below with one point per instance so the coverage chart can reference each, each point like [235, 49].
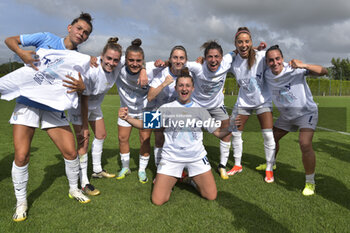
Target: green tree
[341, 68]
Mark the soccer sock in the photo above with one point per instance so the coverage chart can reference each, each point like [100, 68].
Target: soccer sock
[72, 172]
[270, 148]
[96, 152]
[125, 158]
[310, 178]
[83, 163]
[20, 177]
[143, 163]
[237, 146]
[157, 155]
[224, 152]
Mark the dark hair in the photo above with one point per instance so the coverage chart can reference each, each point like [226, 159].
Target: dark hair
[112, 43]
[85, 17]
[274, 47]
[185, 73]
[251, 54]
[178, 47]
[211, 45]
[135, 47]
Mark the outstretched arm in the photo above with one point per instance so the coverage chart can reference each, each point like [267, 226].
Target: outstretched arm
[27, 56]
[314, 69]
[123, 114]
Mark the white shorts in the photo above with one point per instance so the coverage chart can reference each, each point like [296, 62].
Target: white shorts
[34, 117]
[124, 123]
[219, 113]
[74, 115]
[249, 111]
[308, 121]
[175, 169]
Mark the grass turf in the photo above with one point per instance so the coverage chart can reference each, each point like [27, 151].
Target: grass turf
[245, 202]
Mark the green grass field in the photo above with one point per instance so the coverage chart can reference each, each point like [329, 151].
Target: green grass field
[245, 203]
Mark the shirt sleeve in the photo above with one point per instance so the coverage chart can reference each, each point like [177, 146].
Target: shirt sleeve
[33, 39]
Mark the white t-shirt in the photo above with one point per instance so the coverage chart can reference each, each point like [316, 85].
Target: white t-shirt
[208, 91]
[133, 95]
[45, 86]
[290, 92]
[184, 143]
[253, 92]
[99, 82]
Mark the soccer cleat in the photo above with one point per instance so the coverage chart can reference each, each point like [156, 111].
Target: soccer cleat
[89, 189]
[125, 171]
[102, 174]
[143, 177]
[234, 170]
[222, 172]
[79, 196]
[184, 175]
[21, 212]
[309, 189]
[262, 167]
[269, 177]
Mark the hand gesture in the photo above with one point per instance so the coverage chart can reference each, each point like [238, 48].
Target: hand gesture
[29, 57]
[168, 80]
[93, 61]
[75, 85]
[123, 113]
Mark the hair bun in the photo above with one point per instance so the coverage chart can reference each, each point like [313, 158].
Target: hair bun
[113, 40]
[136, 42]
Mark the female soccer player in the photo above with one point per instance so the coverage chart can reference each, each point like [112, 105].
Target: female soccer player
[162, 88]
[208, 92]
[183, 145]
[293, 98]
[248, 67]
[134, 96]
[99, 80]
[28, 115]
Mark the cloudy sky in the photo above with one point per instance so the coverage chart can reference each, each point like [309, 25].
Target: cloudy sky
[313, 31]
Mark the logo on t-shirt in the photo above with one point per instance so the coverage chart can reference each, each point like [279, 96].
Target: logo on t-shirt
[152, 120]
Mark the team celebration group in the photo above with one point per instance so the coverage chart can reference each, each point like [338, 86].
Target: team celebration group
[194, 89]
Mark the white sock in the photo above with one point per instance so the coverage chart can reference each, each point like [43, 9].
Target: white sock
[270, 148]
[72, 172]
[237, 146]
[83, 165]
[96, 152]
[125, 158]
[224, 152]
[143, 163]
[157, 155]
[310, 178]
[20, 178]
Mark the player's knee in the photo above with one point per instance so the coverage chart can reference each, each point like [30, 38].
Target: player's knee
[102, 136]
[305, 146]
[123, 139]
[210, 196]
[21, 159]
[159, 201]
